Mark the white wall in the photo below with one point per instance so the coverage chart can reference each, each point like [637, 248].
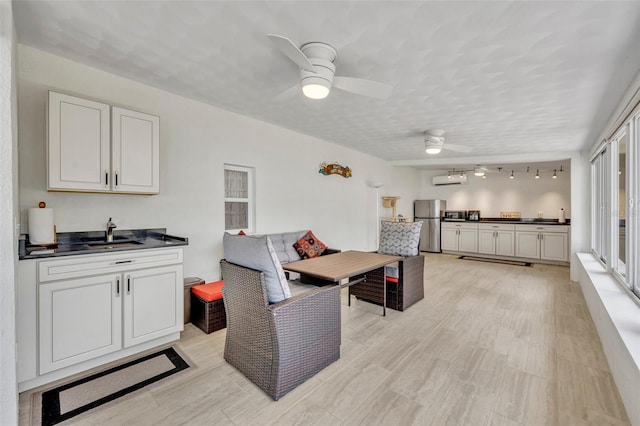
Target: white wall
[196, 141]
[498, 193]
[8, 216]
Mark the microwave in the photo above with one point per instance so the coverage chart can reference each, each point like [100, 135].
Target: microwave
[455, 215]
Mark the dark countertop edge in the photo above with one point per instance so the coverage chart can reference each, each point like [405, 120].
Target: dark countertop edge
[522, 221]
[71, 243]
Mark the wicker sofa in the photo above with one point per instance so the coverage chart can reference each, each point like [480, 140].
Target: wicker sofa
[278, 346]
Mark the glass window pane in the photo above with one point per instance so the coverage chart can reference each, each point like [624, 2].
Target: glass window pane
[236, 215]
[236, 184]
[622, 202]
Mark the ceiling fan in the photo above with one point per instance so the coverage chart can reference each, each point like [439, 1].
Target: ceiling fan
[317, 71]
[434, 143]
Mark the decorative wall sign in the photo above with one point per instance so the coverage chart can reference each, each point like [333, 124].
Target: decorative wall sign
[335, 169]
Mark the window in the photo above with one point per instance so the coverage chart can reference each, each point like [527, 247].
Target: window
[615, 233]
[619, 240]
[599, 206]
[238, 198]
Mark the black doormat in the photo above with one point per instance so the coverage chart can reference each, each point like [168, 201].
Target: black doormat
[504, 262]
[69, 400]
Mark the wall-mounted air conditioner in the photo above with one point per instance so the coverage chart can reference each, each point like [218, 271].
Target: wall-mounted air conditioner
[454, 179]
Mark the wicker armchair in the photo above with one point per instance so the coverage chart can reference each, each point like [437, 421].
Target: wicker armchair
[278, 346]
[408, 290]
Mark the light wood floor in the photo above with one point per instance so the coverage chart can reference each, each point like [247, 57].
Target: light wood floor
[490, 344]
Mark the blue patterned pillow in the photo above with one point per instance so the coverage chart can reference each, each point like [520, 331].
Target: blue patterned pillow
[400, 238]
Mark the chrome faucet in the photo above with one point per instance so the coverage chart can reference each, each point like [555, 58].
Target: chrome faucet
[110, 226]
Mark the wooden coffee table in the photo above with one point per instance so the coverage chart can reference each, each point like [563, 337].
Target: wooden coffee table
[334, 268]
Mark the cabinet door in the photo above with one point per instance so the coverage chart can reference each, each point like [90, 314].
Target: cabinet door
[135, 152]
[78, 144]
[468, 240]
[505, 243]
[79, 319]
[486, 242]
[528, 244]
[449, 239]
[554, 246]
[153, 304]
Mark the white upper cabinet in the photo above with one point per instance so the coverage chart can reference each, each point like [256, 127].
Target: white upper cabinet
[93, 147]
[135, 151]
[79, 144]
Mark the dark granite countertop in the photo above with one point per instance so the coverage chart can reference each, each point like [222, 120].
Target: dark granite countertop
[521, 221]
[94, 242]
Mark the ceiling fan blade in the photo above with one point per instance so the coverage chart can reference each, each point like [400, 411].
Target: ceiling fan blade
[291, 50]
[364, 87]
[457, 148]
[288, 93]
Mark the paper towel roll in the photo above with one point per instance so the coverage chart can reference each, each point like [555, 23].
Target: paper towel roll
[561, 218]
[41, 226]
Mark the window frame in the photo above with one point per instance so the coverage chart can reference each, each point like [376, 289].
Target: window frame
[605, 189]
[250, 200]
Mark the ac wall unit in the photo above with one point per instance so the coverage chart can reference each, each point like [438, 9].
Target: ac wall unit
[450, 180]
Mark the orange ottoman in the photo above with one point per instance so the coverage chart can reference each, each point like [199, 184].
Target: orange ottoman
[207, 307]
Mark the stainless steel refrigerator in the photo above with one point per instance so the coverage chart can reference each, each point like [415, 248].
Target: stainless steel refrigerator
[430, 213]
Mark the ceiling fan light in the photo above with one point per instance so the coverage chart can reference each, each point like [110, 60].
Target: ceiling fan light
[315, 91]
[433, 150]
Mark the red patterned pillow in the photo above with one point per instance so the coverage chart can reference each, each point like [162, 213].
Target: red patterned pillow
[241, 232]
[309, 246]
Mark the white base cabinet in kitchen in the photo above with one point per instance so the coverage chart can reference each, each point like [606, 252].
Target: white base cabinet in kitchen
[459, 237]
[94, 309]
[543, 242]
[496, 239]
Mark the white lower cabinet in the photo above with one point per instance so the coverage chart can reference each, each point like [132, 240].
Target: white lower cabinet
[543, 242]
[152, 304]
[507, 240]
[96, 308]
[79, 319]
[496, 239]
[459, 237]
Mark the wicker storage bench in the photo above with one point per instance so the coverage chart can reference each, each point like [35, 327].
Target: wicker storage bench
[207, 307]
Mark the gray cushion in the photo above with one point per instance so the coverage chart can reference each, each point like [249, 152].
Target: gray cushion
[283, 245]
[400, 238]
[258, 253]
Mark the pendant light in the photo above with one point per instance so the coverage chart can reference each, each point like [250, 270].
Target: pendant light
[512, 176]
[555, 176]
[537, 174]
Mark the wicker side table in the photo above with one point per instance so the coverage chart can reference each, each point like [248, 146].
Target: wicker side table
[188, 283]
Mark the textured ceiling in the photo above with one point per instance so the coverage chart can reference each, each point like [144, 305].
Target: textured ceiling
[501, 77]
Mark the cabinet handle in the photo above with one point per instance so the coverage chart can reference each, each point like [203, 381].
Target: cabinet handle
[542, 236]
[128, 284]
[122, 261]
[116, 178]
[118, 286]
[106, 178]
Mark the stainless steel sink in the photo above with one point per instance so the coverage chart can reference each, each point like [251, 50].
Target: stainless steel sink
[114, 244]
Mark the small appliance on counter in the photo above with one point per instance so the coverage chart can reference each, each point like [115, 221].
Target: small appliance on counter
[455, 215]
[473, 215]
